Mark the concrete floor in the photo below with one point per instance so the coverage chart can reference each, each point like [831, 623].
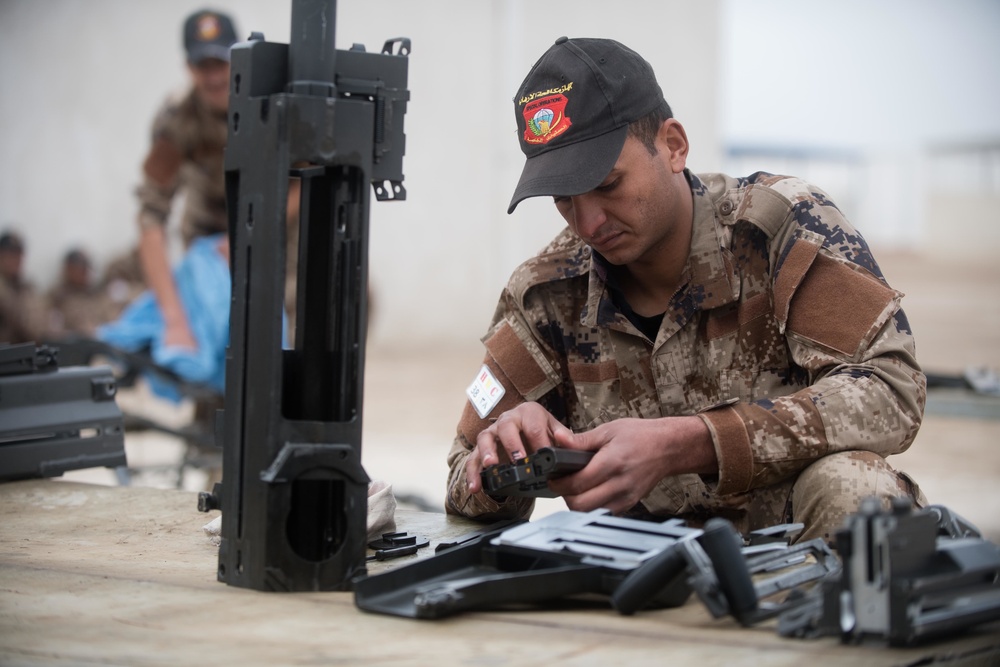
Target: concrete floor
[414, 395]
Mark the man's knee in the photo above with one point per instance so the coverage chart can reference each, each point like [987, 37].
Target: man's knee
[832, 487]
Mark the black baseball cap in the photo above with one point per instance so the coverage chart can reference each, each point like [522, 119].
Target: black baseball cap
[208, 34]
[11, 242]
[573, 111]
[76, 256]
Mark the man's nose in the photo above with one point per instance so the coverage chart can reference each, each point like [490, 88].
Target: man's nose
[588, 216]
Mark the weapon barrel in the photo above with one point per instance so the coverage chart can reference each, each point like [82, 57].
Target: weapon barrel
[312, 55]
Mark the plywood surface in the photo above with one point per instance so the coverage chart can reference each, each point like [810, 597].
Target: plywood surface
[115, 575]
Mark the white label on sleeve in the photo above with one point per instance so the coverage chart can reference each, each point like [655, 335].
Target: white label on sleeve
[485, 392]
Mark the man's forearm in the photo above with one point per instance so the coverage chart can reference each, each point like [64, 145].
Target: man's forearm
[764, 442]
[156, 268]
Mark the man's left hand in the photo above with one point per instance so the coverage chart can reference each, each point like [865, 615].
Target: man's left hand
[631, 457]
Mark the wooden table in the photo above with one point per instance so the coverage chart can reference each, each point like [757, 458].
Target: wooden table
[126, 576]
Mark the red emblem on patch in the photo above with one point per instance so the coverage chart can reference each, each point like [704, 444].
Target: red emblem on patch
[208, 27]
[545, 119]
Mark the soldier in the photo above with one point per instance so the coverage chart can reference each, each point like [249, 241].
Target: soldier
[22, 312]
[726, 346]
[186, 155]
[77, 306]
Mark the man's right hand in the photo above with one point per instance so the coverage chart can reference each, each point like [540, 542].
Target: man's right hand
[516, 433]
[156, 268]
[178, 334]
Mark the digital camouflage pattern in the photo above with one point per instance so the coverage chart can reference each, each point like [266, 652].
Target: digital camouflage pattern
[186, 155]
[784, 338]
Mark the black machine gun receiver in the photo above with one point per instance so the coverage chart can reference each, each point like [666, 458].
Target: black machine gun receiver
[294, 494]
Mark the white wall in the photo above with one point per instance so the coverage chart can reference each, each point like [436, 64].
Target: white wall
[861, 73]
[81, 79]
[888, 83]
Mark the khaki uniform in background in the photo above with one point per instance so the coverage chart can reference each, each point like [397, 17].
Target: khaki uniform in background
[189, 142]
[22, 313]
[74, 310]
[22, 310]
[784, 338]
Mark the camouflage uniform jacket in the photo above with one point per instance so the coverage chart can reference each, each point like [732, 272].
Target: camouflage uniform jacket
[75, 310]
[186, 155]
[22, 313]
[783, 337]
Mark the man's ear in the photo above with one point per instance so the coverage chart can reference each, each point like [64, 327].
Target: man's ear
[673, 139]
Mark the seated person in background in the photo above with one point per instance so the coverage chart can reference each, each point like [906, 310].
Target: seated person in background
[725, 346]
[76, 305]
[22, 310]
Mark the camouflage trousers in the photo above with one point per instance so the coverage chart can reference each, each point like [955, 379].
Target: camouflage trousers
[831, 489]
[821, 497]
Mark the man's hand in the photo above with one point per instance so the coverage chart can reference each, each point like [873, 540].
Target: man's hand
[178, 334]
[156, 268]
[632, 456]
[515, 434]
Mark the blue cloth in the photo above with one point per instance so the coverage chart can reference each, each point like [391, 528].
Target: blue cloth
[204, 286]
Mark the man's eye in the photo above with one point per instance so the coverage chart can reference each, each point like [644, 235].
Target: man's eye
[560, 200]
[608, 187]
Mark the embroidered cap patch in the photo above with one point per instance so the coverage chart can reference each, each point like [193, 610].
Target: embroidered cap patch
[208, 28]
[485, 392]
[545, 119]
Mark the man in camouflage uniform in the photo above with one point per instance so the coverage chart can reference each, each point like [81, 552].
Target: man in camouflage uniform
[726, 346]
[77, 306]
[186, 155]
[22, 310]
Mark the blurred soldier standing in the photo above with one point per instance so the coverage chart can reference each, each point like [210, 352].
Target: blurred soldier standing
[186, 156]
